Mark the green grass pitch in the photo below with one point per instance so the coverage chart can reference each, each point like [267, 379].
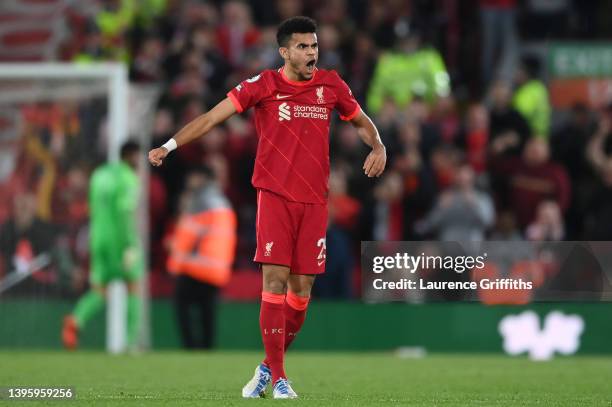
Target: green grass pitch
[335, 379]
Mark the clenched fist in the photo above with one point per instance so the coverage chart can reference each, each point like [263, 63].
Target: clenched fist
[157, 155]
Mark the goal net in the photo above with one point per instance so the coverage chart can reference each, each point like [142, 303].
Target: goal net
[58, 122]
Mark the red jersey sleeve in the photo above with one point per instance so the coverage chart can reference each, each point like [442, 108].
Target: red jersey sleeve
[248, 93]
[346, 104]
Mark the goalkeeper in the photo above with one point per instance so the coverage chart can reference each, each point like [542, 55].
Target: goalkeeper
[116, 251]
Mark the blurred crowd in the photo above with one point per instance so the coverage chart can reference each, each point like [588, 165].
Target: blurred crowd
[476, 151]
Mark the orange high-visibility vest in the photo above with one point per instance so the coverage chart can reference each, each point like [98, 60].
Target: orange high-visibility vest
[203, 246]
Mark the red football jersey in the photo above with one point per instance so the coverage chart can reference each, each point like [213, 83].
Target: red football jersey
[292, 121]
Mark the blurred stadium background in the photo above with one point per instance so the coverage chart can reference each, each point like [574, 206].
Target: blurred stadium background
[515, 92]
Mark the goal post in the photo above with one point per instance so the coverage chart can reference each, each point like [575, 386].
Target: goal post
[23, 85]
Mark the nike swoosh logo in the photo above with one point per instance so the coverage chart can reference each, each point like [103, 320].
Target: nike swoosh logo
[279, 96]
[320, 262]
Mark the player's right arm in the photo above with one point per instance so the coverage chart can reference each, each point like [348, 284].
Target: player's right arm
[194, 129]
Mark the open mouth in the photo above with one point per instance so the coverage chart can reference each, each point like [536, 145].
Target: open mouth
[310, 64]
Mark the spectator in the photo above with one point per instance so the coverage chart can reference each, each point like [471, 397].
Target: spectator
[569, 143]
[69, 204]
[599, 207]
[462, 213]
[532, 179]
[447, 118]
[237, 33]
[412, 69]
[287, 9]
[343, 213]
[599, 148]
[329, 44]
[26, 236]
[419, 183]
[361, 65]
[201, 257]
[569, 146]
[347, 148]
[106, 37]
[505, 228]
[475, 137]
[413, 136]
[508, 130]
[419, 113]
[548, 224]
[531, 97]
[599, 214]
[387, 213]
[498, 22]
[343, 208]
[265, 54]
[444, 162]
[147, 64]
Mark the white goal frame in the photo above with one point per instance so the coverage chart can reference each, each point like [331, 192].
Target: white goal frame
[116, 75]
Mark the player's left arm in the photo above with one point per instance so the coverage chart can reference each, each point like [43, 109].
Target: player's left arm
[376, 161]
[194, 129]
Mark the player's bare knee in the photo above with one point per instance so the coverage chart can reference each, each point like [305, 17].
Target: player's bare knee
[303, 292]
[301, 285]
[275, 287]
[275, 283]
[275, 278]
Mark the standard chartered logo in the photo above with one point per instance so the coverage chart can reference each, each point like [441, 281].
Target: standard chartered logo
[284, 112]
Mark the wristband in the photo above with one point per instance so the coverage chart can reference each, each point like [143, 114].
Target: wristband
[170, 145]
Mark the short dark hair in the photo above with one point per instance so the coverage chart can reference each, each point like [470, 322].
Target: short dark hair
[128, 148]
[300, 25]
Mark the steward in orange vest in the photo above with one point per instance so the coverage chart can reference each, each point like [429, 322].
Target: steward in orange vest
[201, 255]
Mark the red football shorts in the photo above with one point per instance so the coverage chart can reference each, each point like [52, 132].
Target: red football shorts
[290, 233]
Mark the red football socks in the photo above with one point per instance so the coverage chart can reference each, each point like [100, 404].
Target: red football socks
[272, 324]
[295, 313]
[294, 310]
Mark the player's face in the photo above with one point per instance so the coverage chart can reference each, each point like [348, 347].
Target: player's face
[301, 54]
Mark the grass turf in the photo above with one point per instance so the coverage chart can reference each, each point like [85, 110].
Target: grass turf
[338, 379]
